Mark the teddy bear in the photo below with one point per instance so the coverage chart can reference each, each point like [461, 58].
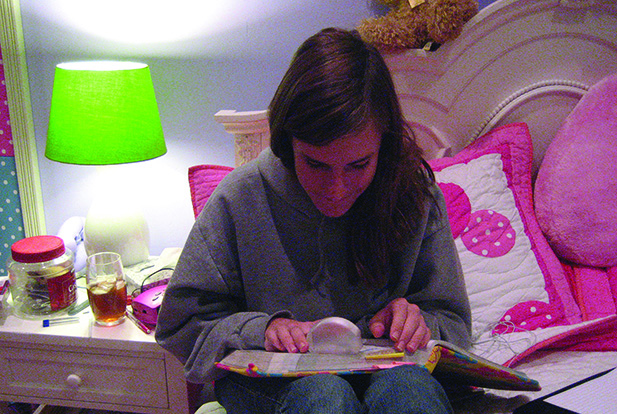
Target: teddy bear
[412, 24]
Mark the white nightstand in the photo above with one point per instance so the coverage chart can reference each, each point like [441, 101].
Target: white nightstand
[81, 365]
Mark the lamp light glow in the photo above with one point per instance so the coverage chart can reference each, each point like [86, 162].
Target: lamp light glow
[106, 113]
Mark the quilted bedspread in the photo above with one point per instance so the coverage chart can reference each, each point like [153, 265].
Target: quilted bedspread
[523, 298]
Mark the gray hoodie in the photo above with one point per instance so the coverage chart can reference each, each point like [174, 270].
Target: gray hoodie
[261, 249]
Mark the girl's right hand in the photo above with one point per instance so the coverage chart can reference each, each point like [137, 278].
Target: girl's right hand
[287, 335]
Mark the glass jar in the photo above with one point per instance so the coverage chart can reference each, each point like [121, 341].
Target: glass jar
[42, 276]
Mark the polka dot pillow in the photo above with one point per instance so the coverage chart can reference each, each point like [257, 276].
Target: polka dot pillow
[514, 280]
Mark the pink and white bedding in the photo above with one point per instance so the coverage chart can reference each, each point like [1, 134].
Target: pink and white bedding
[514, 281]
[529, 310]
[522, 297]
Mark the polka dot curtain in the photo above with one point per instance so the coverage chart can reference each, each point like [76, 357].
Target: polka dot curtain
[11, 221]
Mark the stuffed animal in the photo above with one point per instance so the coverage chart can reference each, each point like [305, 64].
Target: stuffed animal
[411, 24]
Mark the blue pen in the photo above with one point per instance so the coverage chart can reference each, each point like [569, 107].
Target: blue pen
[60, 321]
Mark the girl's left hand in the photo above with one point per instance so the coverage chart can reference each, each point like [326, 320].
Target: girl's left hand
[404, 323]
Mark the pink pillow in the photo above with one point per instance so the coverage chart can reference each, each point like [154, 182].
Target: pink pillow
[576, 187]
[203, 179]
[514, 280]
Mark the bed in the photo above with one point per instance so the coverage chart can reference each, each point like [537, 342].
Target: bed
[485, 108]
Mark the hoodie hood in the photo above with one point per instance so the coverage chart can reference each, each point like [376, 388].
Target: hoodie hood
[285, 184]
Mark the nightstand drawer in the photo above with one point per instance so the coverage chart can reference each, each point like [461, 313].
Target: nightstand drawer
[101, 377]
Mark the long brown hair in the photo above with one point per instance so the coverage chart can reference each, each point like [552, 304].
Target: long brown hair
[336, 85]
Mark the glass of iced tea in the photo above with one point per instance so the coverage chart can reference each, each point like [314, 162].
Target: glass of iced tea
[106, 288]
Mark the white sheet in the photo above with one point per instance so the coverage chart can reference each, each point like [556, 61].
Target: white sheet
[554, 370]
[589, 397]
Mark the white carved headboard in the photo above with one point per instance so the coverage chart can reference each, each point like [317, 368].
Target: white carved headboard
[516, 61]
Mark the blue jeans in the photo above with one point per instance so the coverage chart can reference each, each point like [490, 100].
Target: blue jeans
[404, 389]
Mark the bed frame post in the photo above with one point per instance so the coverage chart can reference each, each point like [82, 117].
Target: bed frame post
[251, 132]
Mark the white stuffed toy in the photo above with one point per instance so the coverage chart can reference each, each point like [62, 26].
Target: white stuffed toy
[72, 233]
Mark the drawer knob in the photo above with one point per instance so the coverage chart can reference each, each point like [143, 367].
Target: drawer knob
[73, 381]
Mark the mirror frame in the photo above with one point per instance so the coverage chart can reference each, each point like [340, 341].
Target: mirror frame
[22, 125]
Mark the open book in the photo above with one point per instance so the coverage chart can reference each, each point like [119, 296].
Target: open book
[444, 360]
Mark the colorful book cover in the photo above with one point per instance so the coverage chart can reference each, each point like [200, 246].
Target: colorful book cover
[464, 368]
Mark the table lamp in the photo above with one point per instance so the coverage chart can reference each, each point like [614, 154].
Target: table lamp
[105, 112]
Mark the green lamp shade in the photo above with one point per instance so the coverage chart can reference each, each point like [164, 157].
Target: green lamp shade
[103, 113]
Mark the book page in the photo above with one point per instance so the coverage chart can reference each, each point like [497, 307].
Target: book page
[259, 362]
[592, 397]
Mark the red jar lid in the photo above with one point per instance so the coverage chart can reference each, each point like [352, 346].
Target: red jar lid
[37, 249]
